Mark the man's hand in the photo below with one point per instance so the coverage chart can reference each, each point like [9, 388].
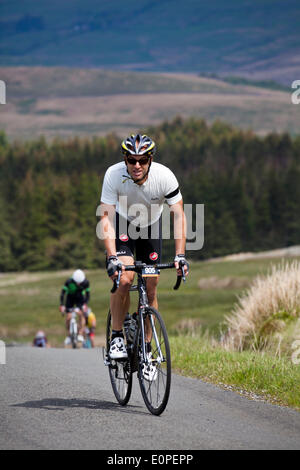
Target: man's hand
[113, 263]
[62, 309]
[180, 262]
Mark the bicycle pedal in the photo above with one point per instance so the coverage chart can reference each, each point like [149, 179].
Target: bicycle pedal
[121, 359]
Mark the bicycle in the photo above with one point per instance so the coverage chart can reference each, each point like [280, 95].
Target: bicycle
[152, 363]
[73, 328]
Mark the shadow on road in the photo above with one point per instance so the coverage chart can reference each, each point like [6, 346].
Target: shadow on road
[60, 404]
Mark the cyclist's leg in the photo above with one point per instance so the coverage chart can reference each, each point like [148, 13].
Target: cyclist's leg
[81, 323]
[81, 317]
[149, 250]
[151, 286]
[92, 336]
[70, 302]
[120, 300]
[68, 319]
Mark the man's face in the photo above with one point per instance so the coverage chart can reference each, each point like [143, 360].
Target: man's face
[137, 166]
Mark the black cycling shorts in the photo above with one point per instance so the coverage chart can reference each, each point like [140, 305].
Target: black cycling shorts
[147, 247]
[74, 301]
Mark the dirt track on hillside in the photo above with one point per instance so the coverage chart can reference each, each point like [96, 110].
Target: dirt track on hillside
[290, 252]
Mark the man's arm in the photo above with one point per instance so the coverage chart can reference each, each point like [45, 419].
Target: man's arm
[87, 293]
[108, 235]
[107, 230]
[61, 299]
[62, 295]
[179, 221]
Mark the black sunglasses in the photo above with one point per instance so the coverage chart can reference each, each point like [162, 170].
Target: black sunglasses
[142, 161]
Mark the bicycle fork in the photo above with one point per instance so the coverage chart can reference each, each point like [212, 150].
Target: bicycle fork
[160, 357]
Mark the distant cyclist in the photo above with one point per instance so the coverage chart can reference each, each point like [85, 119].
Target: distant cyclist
[91, 323]
[77, 290]
[137, 183]
[40, 340]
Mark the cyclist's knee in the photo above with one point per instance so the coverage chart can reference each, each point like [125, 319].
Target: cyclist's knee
[126, 281]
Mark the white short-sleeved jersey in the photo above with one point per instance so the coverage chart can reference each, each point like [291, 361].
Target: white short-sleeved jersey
[140, 204]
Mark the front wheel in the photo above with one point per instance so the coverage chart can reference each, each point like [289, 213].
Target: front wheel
[120, 372]
[73, 334]
[155, 370]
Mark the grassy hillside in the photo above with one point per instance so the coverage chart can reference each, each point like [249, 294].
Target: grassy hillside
[30, 300]
[64, 82]
[253, 38]
[60, 101]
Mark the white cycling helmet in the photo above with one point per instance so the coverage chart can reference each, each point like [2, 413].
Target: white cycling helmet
[40, 335]
[78, 276]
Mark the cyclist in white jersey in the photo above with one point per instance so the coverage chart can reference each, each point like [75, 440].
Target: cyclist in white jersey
[137, 186]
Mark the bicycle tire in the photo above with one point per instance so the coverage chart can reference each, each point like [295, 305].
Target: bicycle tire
[73, 337]
[120, 372]
[156, 392]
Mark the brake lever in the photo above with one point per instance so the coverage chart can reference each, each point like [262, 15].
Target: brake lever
[180, 278]
[183, 275]
[116, 282]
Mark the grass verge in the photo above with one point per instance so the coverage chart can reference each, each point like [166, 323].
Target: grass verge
[255, 375]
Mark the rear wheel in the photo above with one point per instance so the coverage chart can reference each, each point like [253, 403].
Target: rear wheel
[119, 371]
[155, 374]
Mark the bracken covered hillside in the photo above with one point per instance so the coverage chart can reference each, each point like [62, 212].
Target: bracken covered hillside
[250, 37]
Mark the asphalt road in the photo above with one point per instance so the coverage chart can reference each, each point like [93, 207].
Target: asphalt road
[62, 399]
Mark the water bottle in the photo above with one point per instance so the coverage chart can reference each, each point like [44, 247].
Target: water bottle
[132, 328]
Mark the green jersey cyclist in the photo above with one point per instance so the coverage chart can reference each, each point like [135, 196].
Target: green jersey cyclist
[137, 183]
[77, 289]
